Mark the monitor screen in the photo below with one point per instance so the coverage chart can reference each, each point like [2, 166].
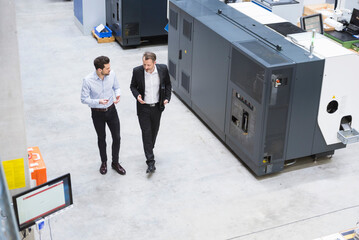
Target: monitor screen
[42, 201]
[355, 17]
[308, 23]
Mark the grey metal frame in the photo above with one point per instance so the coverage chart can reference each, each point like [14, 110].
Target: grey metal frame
[8, 226]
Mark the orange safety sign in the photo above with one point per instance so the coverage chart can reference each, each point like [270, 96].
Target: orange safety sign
[36, 165]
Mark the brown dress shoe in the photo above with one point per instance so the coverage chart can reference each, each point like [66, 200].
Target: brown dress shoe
[103, 168]
[118, 168]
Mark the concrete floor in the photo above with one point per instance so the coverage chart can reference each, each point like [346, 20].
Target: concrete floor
[200, 189]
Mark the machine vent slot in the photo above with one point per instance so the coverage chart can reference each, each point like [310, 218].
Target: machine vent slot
[118, 11]
[187, 29]
[185, 81]
[132, 29]
[173, 19]
[172, 69]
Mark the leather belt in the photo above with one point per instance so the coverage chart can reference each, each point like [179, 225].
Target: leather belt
[152, 104]
[103, 109]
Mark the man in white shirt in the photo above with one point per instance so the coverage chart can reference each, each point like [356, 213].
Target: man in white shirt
[151, 86]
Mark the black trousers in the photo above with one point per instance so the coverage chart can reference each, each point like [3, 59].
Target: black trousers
[100, 119]
[149, 118]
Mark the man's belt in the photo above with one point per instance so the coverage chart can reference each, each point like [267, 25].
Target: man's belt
[103, 109]
[152, 104]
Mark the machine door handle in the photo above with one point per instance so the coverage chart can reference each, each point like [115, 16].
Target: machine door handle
[180, 54]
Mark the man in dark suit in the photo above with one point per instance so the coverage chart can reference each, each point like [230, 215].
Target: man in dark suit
[151, 86]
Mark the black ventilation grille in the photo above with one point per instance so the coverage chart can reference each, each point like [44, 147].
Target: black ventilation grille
[187, 29]
[185, 81]
[173, 19]
[172, 69]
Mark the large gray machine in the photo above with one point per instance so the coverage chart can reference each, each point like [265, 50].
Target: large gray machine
[134, 21]
[258, 92]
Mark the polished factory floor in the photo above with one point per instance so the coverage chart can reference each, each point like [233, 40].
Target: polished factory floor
[200, 189]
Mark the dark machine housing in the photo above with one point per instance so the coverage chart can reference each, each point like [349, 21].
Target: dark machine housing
[257, 91]
[135, 21]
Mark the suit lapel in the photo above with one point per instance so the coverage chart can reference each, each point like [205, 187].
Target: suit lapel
[142, 80]
[159, 74]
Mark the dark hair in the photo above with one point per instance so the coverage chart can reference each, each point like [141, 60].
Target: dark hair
[100, 62]
[149, 55]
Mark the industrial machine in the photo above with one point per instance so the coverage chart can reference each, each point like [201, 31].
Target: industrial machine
[260, 91]
[135, 21]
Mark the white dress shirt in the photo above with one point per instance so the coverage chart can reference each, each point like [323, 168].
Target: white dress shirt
[152, 87]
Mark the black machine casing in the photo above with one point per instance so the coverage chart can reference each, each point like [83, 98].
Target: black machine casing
[257, 91]
[133, 21]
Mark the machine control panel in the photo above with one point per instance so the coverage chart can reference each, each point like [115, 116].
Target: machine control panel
[245, 101]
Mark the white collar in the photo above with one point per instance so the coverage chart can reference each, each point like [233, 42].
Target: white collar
[154, 71]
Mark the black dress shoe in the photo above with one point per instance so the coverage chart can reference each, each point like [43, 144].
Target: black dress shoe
[151, 168]
[118, 168]
[103, 168]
